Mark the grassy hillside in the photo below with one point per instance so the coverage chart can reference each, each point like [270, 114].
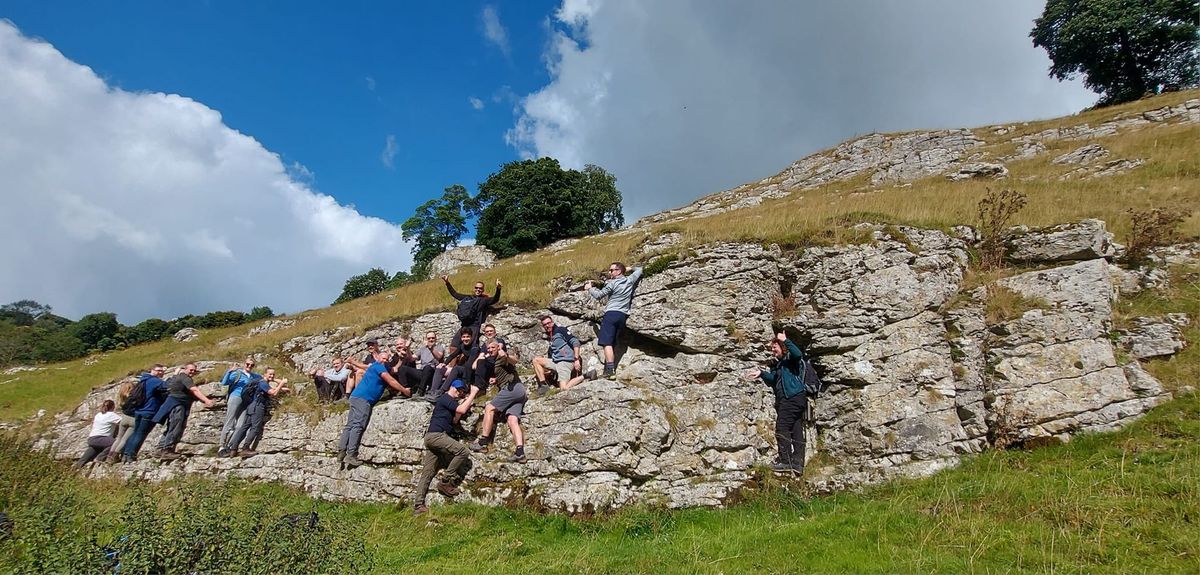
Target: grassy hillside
[1170, 177]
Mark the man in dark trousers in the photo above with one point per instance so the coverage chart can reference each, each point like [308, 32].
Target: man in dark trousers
[473, 309]
[362, 401]
[150, 398]
[441, 450]
[786, 378]
[182, 391]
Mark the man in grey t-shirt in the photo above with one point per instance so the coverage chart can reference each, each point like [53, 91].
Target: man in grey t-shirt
[619, 291]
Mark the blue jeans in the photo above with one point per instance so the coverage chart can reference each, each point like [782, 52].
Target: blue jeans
[141, 428]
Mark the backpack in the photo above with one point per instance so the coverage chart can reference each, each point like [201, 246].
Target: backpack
[812, 382]
[466, 309]
[137, 396]
[251, 392]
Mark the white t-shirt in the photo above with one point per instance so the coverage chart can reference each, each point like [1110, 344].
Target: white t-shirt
[105, 424]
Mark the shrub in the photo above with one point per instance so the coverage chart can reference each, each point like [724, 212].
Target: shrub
[995, 211]
[1150, 229]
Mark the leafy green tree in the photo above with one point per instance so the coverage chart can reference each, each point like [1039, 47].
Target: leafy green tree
[220, 319]
[402, 279]
[23, 312]
[151, 329]
[437, 225]
[59, 346]
[531, 203]
[363, 285]
[1124, 49]
[93, 328]
[259, 313]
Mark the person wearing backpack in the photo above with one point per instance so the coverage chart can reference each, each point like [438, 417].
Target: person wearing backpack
[259, 396]
[234, 381]
[144, 400]
[473, 309]
[786, 377]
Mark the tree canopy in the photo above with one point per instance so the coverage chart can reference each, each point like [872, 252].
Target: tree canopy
[531, 203]
[1124, 49]
[437, 226]
[370, 283]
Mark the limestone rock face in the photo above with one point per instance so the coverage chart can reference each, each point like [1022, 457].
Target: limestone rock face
[979, 170]
[917, 377]
[1154, 336]
[1084, 155]
[1084, 240]
[452, 259]
[186, 334]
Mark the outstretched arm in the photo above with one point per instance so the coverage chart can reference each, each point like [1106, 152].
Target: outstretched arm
[450, 289]
[496, 298]
[392, 383]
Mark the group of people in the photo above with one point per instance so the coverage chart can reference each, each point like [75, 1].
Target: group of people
[451, 379]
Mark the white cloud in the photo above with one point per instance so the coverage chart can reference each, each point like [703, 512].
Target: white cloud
[493, 30]
[370, 83]
[475, 102]
[388, 155]
[681, 99]
[146, 204]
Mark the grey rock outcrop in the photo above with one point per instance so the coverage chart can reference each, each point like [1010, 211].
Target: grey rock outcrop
[453, 259]
[1084, 240]
[1084, 155]
[918, 377]
[979, 170]
[1154, 336]
[186, 334]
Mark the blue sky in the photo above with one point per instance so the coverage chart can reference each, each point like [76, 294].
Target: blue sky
[185, 157]
[326, 88]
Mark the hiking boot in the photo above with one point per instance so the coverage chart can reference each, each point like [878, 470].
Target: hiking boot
[351, 461]
[430, 398]
[222, 452]
[341, 454]
[798, 469]
[128, 458]
[248, 453]
[168, 455]
[517, 458]
[542, 389]
[447, 489]
[420, 509]
[479, 447]
[781, 467]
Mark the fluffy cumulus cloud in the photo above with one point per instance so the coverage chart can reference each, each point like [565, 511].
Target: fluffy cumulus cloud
[146, 204]
[681, 99]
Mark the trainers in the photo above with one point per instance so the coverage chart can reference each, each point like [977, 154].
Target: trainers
[448, 489]
[351, 461]
[517, 458]
[781, 467]
[420, 509]
[542, 389]
[798, 468]
[478, 447]
[248, 453]
[222, 453]
[168, 455]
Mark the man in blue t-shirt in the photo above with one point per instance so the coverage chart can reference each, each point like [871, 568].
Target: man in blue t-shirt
[362, 400]
[154, 390]
[441, 449]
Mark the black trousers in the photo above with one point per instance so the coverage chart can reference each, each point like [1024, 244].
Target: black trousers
[789, 428]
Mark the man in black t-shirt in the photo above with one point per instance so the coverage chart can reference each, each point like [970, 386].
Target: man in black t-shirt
[441, 450]
[182, 391]
[473, 308]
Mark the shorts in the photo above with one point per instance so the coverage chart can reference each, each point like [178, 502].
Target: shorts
[611, 326]
[563, 370]
[511, 400]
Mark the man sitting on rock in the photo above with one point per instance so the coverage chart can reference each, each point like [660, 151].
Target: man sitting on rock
[562, 358]
[330, 383]
[362, 401]
[787, 379]
[619, 291]
[459, 361]
[403, 366]
[441, 450]
[489, 335]
[509, 402]
[429, 359]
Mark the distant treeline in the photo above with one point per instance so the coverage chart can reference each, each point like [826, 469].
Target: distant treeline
[30, 332]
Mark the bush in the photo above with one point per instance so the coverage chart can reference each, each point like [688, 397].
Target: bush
[996, 210]
[1151, 228]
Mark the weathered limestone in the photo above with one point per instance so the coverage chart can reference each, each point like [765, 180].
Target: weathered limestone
[916, 377]
[186, 334]
[1082, 240]
[453, 259]
[1154, 336]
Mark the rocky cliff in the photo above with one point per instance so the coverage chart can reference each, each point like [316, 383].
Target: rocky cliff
[924, 367]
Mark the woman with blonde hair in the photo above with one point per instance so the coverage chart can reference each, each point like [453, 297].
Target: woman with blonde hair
[125, 428]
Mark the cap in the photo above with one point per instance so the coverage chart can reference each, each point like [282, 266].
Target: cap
[373, 341]
[458, 384]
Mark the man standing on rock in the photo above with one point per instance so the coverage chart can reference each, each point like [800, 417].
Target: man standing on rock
[260, 399]
[234, 382]
[362, 401]
[144, 400]
[182, 391]
[786, 378]
[441, 450]
[619, 291]
[473, 309]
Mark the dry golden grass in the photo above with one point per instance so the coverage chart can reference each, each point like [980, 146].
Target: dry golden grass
[807, 217]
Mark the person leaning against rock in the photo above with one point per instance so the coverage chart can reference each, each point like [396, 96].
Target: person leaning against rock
[619, 291]
[441, 450]
[786, 379]
[234, 381]
[104, 431]
[182, 392]
[260, 399]
[362, 401]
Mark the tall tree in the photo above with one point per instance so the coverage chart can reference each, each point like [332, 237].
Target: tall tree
[94, 329]
[437, 226]
[531, 203]
[1123, 48]
[363, 285]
